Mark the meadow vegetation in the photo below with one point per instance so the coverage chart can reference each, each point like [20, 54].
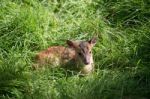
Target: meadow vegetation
[121, 55]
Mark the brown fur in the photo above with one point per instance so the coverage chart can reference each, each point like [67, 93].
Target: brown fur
[77, 56]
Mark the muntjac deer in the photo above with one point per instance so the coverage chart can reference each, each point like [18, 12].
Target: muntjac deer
[77, 56]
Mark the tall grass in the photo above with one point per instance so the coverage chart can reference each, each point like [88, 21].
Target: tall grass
[122, 52]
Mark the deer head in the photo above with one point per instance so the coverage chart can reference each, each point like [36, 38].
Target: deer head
[83, 50]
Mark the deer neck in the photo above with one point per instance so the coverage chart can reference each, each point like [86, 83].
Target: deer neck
[84, 69]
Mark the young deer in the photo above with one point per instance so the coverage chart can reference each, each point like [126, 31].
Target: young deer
[77, 56]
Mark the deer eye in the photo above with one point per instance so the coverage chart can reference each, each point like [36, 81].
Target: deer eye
[80, 53]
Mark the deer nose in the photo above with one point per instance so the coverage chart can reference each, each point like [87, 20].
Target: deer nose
[86, 63]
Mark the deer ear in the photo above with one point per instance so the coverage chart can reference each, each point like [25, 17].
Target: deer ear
[93, 41]
[70, 43]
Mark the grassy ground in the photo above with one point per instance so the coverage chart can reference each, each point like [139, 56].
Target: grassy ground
[122, 53]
